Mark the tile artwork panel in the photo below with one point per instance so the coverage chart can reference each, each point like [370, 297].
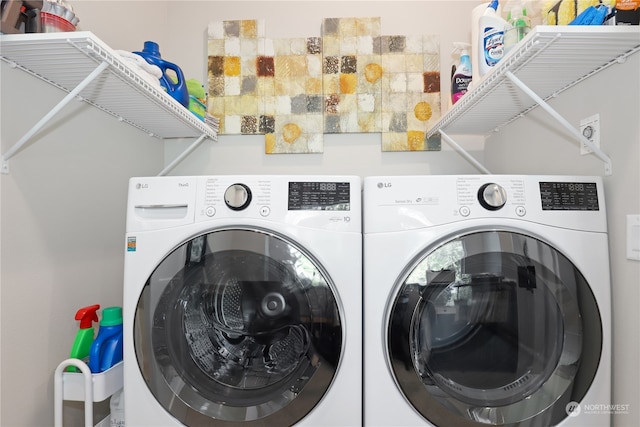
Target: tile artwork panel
[350, 80]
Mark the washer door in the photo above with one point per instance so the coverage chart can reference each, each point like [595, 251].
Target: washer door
[493, 327]
[238, 325]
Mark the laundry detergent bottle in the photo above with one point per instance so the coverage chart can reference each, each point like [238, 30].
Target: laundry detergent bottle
[461, 75]
[178, 88]
[106, 349]
[492, 28]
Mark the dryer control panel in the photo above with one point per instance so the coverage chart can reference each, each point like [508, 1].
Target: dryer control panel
[569, 196]
[413, 202]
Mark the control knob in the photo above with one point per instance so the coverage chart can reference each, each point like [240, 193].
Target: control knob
[492, 196]
[237, 197]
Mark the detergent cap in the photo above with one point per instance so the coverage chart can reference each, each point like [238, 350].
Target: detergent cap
[87, 315]
[151, 48]
[111, 316]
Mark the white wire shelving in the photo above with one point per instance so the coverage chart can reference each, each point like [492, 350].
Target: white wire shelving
[548, 61]
[84, 67]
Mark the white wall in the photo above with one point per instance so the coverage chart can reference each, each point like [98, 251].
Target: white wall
[537, 145]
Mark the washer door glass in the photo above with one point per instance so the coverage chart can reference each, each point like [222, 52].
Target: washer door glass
[494, 327]
[238, 325]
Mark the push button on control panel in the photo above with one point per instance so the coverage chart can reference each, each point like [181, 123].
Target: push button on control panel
[464, 210]
[210, 211]
[265, 211]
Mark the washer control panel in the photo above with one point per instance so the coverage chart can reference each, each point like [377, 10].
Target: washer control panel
[330, 202]
[250, 196]
[322, 196]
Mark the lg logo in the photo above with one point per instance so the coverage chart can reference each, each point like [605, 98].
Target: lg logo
[140, 186]
[384, 185]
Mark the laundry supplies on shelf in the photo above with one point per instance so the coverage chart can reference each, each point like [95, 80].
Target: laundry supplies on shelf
[172, 78]
[492, 28]
[461, 72]
[106, 349]
[84, 337]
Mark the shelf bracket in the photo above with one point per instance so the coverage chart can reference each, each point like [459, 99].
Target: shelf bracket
[464, 153]
[184, 154]
[55, 110]
[562, 121]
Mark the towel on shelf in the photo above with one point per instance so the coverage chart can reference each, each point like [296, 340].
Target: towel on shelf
[151, 73]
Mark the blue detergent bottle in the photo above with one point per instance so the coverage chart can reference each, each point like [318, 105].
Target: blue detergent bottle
[106, 349]
[178, 90]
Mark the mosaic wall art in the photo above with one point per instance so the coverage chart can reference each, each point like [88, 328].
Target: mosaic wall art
[352, 79]
[352, 75]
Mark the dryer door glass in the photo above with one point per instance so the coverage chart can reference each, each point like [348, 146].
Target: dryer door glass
[494, 327]
[238, 325]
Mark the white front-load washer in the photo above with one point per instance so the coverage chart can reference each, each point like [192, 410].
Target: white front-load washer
[243, 301]
[486, 301]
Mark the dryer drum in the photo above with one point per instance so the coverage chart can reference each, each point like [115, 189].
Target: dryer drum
[493, 326]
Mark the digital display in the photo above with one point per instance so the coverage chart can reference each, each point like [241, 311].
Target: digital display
[323, 196]
[569, 196]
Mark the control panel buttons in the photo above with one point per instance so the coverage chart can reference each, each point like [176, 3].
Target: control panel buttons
[209, 211]
[237, 197]
[265, 211]
[521, 211]
[464, 210]
[492, 196]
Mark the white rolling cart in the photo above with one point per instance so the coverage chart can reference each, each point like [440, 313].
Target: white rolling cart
[84, 386]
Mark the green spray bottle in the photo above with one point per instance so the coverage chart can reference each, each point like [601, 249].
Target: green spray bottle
[84, 337]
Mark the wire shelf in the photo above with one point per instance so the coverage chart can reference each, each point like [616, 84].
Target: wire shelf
[549, 60]
[66, 59]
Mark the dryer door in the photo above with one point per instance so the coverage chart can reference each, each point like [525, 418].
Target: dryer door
[493, 327]
[238, 326]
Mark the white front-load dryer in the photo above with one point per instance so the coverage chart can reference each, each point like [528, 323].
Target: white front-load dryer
[243, 301]
[487, 301]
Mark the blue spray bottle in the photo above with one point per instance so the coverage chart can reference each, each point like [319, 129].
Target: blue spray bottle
[106, 349]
